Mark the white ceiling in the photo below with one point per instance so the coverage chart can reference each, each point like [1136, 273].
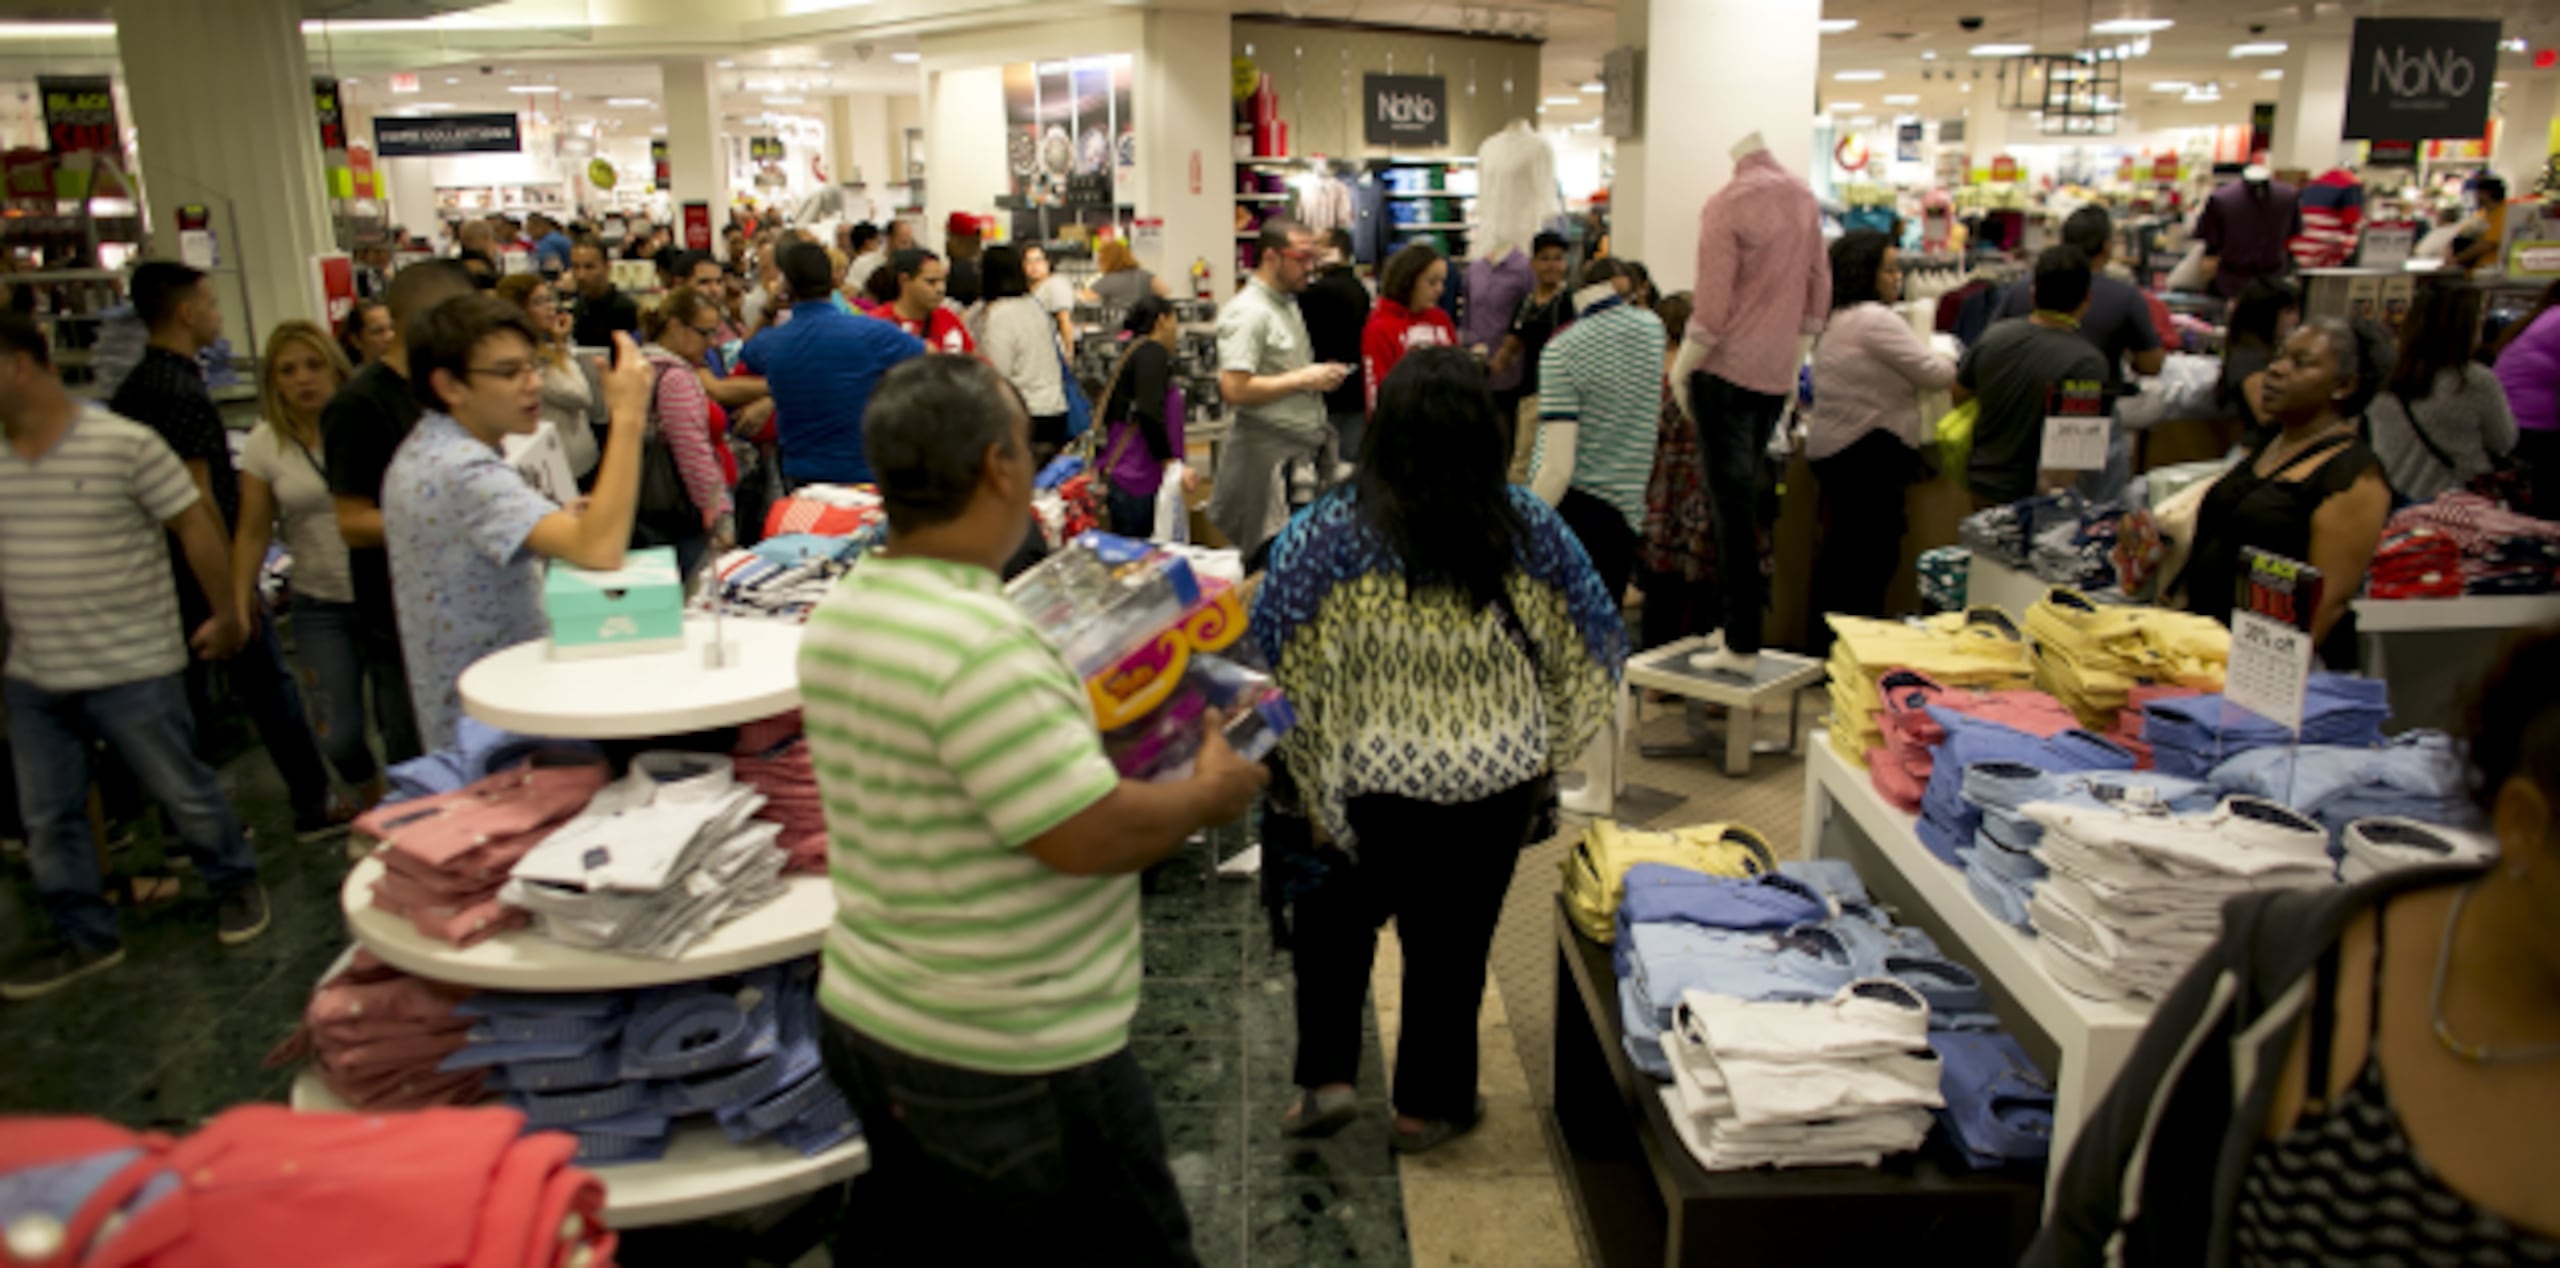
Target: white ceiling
[810, 72]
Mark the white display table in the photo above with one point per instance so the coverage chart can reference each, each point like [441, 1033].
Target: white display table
[523, 689]
[2432, 651]
[1778, 678]
[1988, 581]
[2468, 612]
[785, 929]
[703, 1173]
[2090, 1038]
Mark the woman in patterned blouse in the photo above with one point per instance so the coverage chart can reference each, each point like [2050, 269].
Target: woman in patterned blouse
[1448, 649]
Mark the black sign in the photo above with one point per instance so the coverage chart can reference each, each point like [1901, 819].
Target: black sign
[332, 114]
[446, 134]
[661, 171]
[764, 149]
[80, 114]
[1405, 109]
[2416, 79]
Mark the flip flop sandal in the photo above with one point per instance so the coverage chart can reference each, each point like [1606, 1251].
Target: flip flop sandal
[1436, 1133]
[1331, 1112]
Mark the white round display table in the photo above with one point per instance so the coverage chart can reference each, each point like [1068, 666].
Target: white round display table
[523, 689]
[703, 1173]
[784, 929]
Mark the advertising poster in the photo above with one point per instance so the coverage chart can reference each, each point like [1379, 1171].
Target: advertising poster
[1070, 132]
[81, 133]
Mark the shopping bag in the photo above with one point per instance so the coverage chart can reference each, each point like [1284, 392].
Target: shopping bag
[1173, 519]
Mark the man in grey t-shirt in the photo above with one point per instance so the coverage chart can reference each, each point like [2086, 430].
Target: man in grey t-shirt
[1268, 374]
[2118, 324]
[2026, 370]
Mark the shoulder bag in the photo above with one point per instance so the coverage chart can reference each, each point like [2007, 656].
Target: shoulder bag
[2508, 481]
[665, 513]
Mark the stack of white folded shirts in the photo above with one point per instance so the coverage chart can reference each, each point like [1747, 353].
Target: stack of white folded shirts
[1772, 1083]
[2136, 892]
[2390, 844]
[658, 859]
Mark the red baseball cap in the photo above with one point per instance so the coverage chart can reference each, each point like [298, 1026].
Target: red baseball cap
[963, 225]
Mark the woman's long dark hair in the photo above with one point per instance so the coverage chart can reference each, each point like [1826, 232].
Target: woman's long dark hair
[2439, 332]
[2260, 309]
[1856, 258]
[1434, 476]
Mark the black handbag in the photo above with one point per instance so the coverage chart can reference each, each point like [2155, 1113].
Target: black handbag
[665, 513]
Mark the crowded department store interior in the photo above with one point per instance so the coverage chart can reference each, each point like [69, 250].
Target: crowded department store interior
[824, 632]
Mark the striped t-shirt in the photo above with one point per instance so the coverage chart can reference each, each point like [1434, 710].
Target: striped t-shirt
[1604, 373]
[947, 734]
[84, 561]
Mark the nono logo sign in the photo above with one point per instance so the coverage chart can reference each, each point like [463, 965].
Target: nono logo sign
[2420, 79]
[1405, 110]
[2434, 73]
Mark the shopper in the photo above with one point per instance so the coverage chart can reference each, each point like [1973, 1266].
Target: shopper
[2262, 318]
[368, 332]
[1599, 409]
[2483, 243]
[1056, 294]
[165, 392]
[983, 967]
[2313, 492]
[869, 251]
[898, 235]
[87, 502]
[704, 275]
[600, 310]
[1336, 308]
[363, 426]
[1545, 310]
[921, 276]
[2117, 323]
[1142, 409]
[1424, 607]
[572, 401]
[1267, 374]
[2026, 370]
[821, 366]
[284, 482]
[1121, 281]
[2356, 1074]
[1022, 344]
[960, 242]
[550, 246]
[2442, 421]
[699, 520]
[1407, 316]
[2529, 369]
[1864, 431]
[481, 267]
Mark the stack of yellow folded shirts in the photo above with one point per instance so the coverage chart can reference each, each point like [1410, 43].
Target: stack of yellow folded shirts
[1978, 648]
[2089, 656]
[1595, 872]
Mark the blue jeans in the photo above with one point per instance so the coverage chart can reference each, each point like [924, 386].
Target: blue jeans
[328, 654]
[963, 1163]
[149, 726]
[1132, 514]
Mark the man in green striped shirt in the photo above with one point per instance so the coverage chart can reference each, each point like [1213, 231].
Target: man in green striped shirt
[1599, 411]
[983, 966]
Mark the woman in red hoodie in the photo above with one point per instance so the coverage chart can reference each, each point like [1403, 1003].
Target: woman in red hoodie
[1408, 315]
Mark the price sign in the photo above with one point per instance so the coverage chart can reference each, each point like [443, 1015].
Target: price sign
[2165, 168]
[2074, 443]
[2280, 589]
[80, 114]
[2004, 168]
[2270, 667]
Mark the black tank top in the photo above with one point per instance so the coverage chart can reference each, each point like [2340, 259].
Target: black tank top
[2246, 509]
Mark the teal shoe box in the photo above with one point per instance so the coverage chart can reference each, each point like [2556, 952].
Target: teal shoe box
[633, 609]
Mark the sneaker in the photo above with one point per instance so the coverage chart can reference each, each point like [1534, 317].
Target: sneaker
[241, 915]
[51, 968]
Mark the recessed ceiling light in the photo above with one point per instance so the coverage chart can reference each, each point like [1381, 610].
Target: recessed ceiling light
[453, 79]
[2131, 26]
[1595, 86]
[1848, 105]
[2258, 48]
[2171, 85]
[1859, 76]
[826, 65]
[1966, 87]
[628, 103]
[2001, 50]
[1902, 99]
[1928, 55]
[533, 88]
[907, 59]
[784, 101]
[724, 63]
[431, 105]
[1835, 26]
[2277, 73]
[657, 129]
[1564, 101]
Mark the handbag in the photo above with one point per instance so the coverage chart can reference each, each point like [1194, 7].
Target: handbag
[665, 513]
[1088, 443]
[2508, 481]
[1079, 410]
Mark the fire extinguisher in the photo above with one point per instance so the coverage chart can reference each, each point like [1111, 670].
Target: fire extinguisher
[1200, 278]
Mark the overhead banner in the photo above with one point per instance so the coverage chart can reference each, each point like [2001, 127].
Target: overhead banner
[2416, 79]
[447, 134]
[661, 170]
[1404, 110]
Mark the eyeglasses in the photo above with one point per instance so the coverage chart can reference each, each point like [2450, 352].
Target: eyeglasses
[711, 331]
[517, 370]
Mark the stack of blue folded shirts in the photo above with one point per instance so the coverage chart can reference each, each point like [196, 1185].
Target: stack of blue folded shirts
[1999, 1104]
[1948, 822]
[616, 1069]
[2417, 775]
[2001, 867]
[2080, 552]
[2193, 734]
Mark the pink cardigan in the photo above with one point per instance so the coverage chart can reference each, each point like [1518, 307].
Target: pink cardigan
[1868, 373]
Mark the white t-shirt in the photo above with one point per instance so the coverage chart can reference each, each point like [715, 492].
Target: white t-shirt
[298, 478]
[1055, 294]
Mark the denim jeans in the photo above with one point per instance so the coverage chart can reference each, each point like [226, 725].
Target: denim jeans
[965, 1164]
[1349, 428]
[1132, 515]
[387, 673]
[257, 678]
[328, 653]
[1734, 424]
[149, 726]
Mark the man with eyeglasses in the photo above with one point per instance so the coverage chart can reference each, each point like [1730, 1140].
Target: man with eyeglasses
[1268, 372]
[466, 533]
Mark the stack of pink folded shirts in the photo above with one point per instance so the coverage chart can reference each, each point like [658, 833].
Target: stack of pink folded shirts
[773, 756]
[375, 1035]
[1901, 768]
[2127, 732]
[444, 857]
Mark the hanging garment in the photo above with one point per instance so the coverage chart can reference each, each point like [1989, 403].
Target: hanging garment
[1516, 191]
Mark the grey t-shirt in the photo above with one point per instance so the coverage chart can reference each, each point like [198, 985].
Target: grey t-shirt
[1125, 288]
[2023, 374]
[2118, 322]
[1261, 333]
[2466, 415]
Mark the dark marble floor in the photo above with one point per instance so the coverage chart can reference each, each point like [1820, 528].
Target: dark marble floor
[178, 1033]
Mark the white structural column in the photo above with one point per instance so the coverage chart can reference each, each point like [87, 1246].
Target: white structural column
[695, 159]
[1714, 70]
[222, 115]
[2311, 108]
[2524, 128]
[1987, 128]
[1186, 168]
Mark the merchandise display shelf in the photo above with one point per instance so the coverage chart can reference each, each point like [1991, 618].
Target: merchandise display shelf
[2432, 651]
[785, 929]
[2085, 1040]
[703, 1173]
[2469, 612]
[1778, 679]
[523, 689]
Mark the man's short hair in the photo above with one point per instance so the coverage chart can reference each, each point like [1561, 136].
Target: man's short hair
[927, 432]
[909, 262]
[422, 286]
[444, 337]
[1340, 240]
[1277, 231]
[862, 235]
[2091, 229]
[20, 333]
[159, 286]
[1546, 239]
[589, 243]
[807, 271]
[2062, 280]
